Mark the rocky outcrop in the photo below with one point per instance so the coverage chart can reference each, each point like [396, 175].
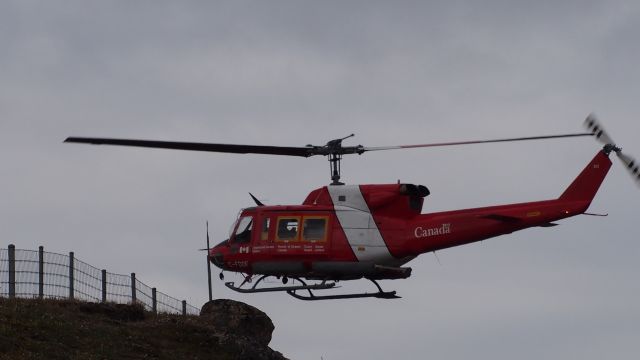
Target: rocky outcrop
[62, 329]
[242, 324]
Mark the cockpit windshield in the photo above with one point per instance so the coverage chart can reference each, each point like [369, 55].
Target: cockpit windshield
[243, 230]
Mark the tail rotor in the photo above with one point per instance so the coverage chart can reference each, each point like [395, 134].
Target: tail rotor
[632, 166]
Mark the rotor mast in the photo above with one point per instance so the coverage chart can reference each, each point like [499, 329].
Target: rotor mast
[335, 152]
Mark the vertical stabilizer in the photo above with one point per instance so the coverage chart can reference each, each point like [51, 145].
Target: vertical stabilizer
[586, 185]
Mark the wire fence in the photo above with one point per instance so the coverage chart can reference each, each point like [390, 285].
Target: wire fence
[37, 273]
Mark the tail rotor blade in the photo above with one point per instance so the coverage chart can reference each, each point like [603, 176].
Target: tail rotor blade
[593, 125]
[632, 166]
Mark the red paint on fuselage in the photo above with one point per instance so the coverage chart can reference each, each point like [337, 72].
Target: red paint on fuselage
[436, 231]
[406, 232]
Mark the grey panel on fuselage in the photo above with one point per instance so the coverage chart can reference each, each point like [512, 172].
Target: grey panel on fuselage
[358, 224]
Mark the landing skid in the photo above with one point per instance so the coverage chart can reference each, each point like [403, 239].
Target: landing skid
[254, 289]
[312, 297]
[324, 285]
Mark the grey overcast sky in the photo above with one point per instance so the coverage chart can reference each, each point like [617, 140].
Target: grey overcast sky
[299, 72]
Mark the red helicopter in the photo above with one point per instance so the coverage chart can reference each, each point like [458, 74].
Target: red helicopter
[349, 232]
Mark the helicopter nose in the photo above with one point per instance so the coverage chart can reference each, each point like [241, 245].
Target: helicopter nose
[216, 254]
[217, 259]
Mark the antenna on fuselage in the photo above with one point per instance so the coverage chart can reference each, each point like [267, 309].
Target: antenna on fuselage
[255, 199]
[437, 258]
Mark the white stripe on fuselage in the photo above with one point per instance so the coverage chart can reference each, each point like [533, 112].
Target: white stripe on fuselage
[358, 224]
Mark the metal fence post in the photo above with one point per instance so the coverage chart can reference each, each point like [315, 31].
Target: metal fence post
[12, 271]
[41, 272]
[133, 288]
[154, 301]
[71, 281]
[184, 307]
[104, 285]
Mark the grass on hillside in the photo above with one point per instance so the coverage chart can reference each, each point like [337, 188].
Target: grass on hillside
[61, 329]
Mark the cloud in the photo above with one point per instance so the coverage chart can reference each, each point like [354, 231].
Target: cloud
[291, 73]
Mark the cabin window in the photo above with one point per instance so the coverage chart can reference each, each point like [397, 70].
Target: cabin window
[264, 235]
[314, 228]
[288, 228]
[243, 231]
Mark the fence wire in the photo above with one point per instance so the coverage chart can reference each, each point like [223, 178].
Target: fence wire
[118, 288]
[26, 272]
[144, 294]
[56, 275]
[87, 285]
[87, 282]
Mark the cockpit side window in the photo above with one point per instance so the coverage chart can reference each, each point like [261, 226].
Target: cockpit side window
[243, 230]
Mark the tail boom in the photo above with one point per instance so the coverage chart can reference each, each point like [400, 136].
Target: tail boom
[431, 232]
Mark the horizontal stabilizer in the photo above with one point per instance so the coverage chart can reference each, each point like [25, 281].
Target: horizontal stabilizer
[549, 224]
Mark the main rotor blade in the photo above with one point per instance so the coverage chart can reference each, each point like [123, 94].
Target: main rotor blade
[475, 142]
[224, 148]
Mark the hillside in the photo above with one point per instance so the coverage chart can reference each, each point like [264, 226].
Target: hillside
[60, 329]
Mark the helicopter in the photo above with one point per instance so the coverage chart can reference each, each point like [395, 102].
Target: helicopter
[353, 232]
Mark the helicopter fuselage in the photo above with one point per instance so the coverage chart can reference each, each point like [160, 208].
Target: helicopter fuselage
[343, 232]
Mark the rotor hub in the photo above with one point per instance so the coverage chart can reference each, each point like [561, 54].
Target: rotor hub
[608, 148]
